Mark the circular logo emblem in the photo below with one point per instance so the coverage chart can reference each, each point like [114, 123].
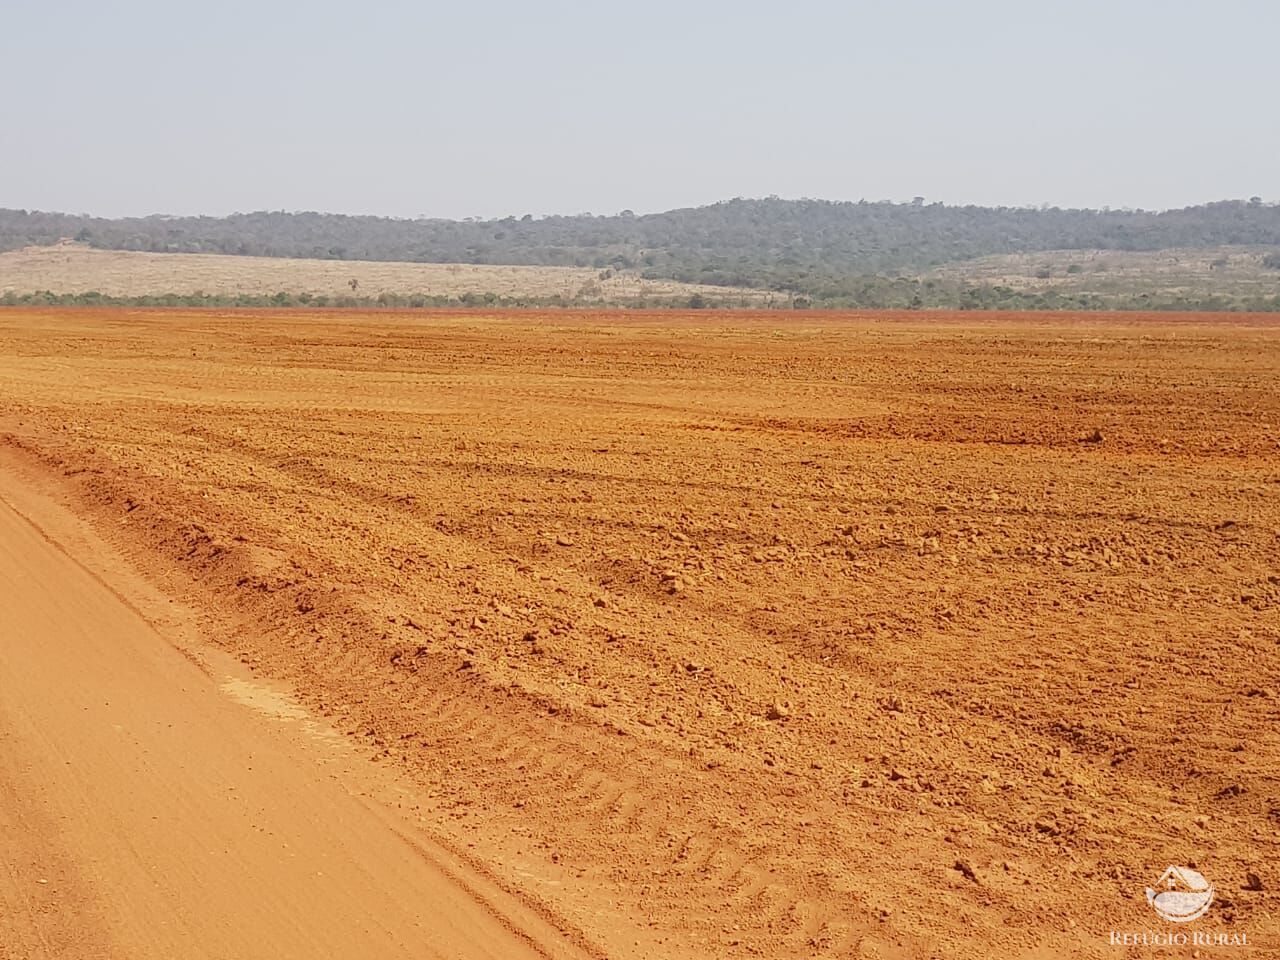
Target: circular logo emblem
[1181, 894]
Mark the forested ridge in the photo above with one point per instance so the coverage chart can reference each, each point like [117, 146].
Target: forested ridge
[819, 249]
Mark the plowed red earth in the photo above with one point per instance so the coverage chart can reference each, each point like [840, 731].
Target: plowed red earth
[722, 635]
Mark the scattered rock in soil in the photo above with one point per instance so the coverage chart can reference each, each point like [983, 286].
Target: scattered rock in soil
[778, 711]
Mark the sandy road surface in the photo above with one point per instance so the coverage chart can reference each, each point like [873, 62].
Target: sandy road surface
[144, 813]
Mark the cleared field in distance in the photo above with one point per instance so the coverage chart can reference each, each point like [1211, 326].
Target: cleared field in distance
[733, 634]
[73, 268]
[1204, 271]
[1230, 273]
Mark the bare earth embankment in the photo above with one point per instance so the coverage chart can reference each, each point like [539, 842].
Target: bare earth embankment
[146, 812]
[733, 635]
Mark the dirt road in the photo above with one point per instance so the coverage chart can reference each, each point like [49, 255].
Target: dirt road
[145, 813]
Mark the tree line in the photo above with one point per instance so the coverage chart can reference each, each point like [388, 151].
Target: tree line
[812, 249]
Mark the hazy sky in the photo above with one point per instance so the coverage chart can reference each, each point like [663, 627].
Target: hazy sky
[488, 109]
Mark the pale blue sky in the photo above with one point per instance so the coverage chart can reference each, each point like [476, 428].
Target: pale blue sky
[489, 109]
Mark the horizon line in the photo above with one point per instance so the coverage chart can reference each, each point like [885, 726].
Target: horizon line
[920, 202]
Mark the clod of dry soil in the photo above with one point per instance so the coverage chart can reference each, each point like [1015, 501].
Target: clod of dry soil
[734, 635]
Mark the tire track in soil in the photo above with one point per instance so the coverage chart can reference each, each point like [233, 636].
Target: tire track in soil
[685, 856]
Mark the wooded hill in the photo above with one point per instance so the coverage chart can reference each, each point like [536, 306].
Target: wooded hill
[820, 250]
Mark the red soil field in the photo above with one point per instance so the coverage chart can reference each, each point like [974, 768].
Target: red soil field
[732, 634]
